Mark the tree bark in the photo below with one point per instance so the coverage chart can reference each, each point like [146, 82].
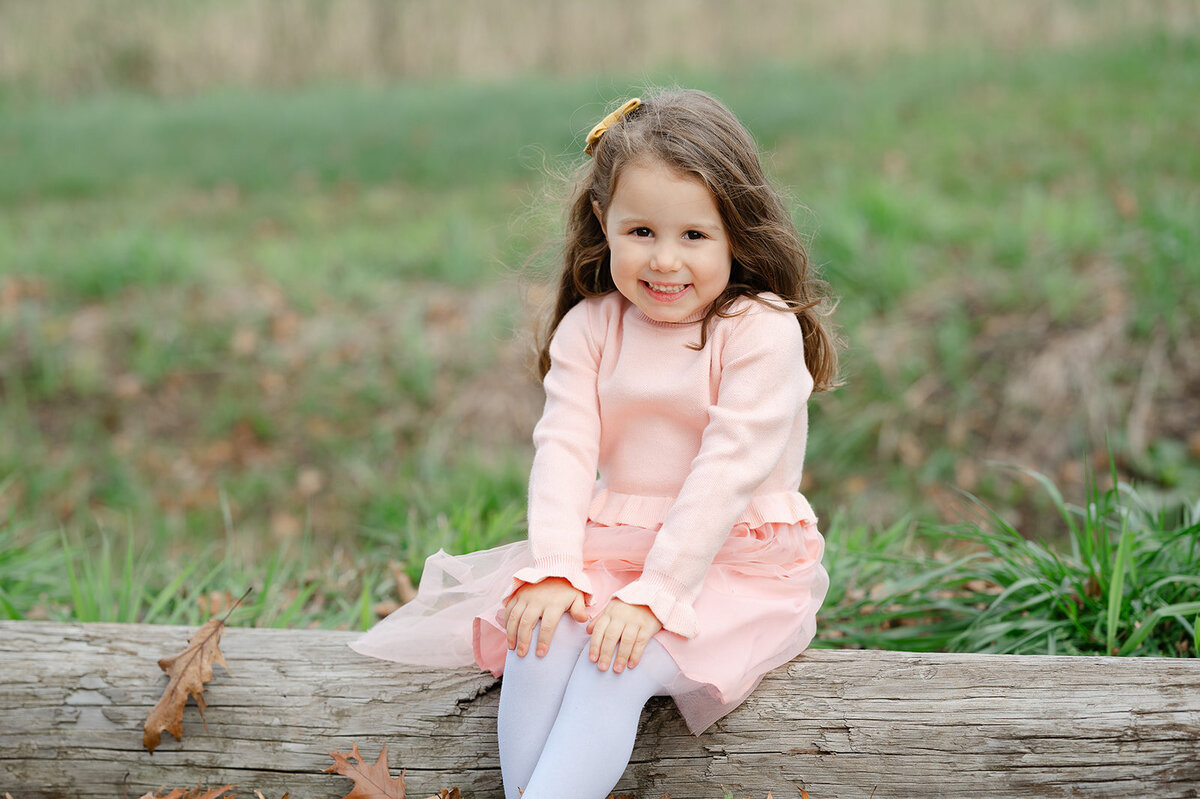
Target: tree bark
[73, 698]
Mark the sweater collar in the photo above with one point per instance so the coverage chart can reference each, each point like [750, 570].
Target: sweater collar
[636, 313]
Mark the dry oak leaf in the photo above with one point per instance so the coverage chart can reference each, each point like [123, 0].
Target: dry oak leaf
[370, 781]
[187, 672]
[453, 793]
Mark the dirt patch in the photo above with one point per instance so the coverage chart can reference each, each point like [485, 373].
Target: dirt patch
[1039, 393]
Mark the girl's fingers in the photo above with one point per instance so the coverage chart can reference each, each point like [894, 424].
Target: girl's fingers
[639, 647]
[629, 637]
[525, 630]
[511, 622]
[550, 619]
[597, 627]
[578, 609]
[612, 636]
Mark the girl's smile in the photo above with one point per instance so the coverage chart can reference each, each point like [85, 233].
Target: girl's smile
[669, 251]
[665, 292]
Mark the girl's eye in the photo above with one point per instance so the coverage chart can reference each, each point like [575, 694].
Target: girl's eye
[641, 232]
[693, 235]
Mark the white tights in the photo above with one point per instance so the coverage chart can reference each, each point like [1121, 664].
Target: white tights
[565, 727]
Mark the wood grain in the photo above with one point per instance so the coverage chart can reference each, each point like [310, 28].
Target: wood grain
[843, 724]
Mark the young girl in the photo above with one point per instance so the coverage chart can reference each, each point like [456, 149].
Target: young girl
[669, 550]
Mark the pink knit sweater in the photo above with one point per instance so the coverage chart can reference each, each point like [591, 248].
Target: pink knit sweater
[694, 441]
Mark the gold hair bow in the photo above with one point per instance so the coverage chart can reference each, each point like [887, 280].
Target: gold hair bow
[608, 122]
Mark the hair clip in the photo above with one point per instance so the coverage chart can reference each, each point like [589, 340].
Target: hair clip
[608, 122]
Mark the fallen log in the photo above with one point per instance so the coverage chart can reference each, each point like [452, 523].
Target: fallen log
[73, 698]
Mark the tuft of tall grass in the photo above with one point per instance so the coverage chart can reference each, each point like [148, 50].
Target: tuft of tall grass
[1126, 582]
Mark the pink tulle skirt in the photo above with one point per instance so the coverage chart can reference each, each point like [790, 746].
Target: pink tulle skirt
[757, 609]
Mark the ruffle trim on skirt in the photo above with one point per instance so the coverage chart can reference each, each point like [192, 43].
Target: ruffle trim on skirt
[613, 508]
[434, 629]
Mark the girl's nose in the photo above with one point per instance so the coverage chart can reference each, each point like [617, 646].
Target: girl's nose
[665, 259]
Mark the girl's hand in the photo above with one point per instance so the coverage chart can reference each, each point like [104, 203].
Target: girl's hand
[624, 629]
[546, 602]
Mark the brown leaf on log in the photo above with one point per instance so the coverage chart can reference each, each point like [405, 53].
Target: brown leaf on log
[370, 781]
[187, 672]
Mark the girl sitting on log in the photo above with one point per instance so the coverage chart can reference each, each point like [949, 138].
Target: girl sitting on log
[669, 550]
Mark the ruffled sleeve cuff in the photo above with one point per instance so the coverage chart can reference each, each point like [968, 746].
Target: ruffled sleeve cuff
[665, 597]
[566, 567]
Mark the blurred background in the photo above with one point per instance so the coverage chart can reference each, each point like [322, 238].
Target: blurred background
[269, 270]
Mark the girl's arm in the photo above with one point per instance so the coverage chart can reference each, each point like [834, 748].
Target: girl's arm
[764, 384]
[567, 442]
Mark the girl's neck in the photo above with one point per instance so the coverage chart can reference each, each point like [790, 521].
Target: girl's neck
[687, 321]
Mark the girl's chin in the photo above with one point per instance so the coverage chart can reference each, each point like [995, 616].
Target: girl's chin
[666, 313]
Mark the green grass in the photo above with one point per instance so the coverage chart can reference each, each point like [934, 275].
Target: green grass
[1125, 584]
[290, 314]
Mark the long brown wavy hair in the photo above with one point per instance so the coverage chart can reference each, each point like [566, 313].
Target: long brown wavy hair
[695, 134]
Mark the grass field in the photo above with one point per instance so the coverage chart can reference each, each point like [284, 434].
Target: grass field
[256, 337]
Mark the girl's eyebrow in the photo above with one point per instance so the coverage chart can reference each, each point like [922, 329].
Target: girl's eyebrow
[640, 221]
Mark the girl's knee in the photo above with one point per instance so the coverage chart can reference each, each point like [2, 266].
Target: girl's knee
[568, 633]
[568, 640]
[659, 665]
[651, 677]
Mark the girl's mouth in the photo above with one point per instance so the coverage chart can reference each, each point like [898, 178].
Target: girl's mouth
[665, 292]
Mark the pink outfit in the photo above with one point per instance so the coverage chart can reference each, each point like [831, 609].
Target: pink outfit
[695, 512]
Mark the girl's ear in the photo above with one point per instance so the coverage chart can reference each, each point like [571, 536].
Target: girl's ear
[599, 217]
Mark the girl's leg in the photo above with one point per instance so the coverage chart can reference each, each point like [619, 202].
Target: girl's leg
[590, 743]
[530, 695]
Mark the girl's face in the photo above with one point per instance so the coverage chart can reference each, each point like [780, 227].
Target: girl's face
[670, 254]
